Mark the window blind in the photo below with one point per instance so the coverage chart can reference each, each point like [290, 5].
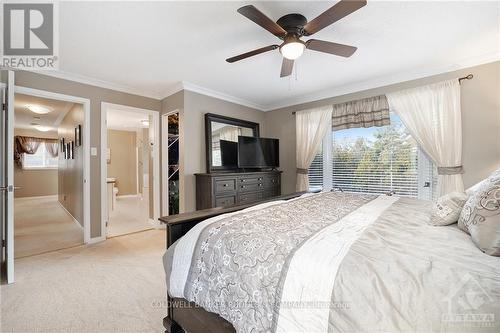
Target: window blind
[375, 160]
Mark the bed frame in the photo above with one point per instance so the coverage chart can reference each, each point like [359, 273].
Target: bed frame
[185, 316]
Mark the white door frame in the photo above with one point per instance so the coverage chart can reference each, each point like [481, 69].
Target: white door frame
[8, 208]
[155, 126]
[164, 160]
[86, 148]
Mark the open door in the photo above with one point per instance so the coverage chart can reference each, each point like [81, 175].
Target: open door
[7, 175]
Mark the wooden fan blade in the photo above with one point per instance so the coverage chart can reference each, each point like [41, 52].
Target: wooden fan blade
[332, 48]
[339, 10]
[286, 67]
[255, 15]
[252, 53]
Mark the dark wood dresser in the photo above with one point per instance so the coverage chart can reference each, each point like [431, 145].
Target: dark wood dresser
[226, 189]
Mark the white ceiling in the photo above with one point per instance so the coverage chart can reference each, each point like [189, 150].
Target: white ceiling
[24, 118]
[152, 47]
[125, 120]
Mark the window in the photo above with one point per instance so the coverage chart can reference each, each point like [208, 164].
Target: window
[373, 160]
[40, 160]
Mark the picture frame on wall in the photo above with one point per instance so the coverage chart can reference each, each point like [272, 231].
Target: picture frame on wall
[61, 145]
[68, 151]
[72, 145]
[78, 136]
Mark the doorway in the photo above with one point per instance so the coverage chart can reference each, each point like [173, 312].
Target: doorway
[170, 126]
[38, 222]
[48, 173]
[129, 169]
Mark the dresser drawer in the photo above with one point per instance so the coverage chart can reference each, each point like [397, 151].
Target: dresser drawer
[250, 179]
[225, 201]
[224, 185]
[244, 187]
[250, 197]
[271, 181]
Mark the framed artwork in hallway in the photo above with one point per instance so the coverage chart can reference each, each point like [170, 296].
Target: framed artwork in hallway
[78, 135]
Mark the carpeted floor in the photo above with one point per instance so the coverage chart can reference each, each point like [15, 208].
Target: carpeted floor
[131, 214]
[42, 225]
[114, 286]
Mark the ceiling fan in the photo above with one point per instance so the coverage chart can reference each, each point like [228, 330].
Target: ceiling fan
[290, 28]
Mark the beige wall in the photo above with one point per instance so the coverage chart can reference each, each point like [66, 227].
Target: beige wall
[34, 183]
[96, 96]
[193, 107]
[123, 165]
[70, 171]
[480, 100]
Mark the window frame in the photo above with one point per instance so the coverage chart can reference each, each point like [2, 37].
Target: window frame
[424, 164]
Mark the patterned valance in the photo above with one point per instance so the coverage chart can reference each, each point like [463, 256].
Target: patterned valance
[29, 145]
[368, 112]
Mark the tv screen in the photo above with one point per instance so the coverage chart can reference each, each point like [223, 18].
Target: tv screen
[258, 152]
[229, 153]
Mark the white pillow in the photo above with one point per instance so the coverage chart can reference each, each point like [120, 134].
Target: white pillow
[446, 209]
[471, 190]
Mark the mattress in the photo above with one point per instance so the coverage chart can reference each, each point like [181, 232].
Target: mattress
[337, 262]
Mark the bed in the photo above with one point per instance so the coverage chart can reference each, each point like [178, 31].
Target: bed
[327, 262]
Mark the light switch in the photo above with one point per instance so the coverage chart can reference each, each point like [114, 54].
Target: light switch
[93, 151]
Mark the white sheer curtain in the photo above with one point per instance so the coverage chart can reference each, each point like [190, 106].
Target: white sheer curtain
[311, 126]
[432, 115]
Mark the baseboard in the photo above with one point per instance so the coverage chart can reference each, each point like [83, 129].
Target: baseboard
[96, 240]
[39, 197]
[157, 224]
[72, 217]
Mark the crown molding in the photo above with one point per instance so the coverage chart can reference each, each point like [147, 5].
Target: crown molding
[288, 102]
[172, 90]
[100, 83]
[220, 95]
[381, 82]
[63, 114]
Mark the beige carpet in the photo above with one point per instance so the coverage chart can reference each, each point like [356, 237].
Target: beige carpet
[115, 286]
[41, 225]
[131, 214]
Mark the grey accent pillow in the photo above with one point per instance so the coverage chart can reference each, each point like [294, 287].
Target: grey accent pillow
[480, 216]
[447, 208]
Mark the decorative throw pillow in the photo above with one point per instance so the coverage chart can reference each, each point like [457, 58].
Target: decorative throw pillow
[480, 216]
[447, 208]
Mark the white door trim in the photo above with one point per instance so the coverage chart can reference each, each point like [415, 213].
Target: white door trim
[86, 148]
[164, 160]
[155, 126]
[9, 172]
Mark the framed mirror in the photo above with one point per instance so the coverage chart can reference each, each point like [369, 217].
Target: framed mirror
[221, 140]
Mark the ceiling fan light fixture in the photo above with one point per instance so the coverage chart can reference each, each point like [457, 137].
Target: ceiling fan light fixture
[292, 50]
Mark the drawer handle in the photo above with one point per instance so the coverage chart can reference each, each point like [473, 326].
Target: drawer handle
[243, 180]
[225, 185]
[260, 184]
[260, 178]
[242, 186]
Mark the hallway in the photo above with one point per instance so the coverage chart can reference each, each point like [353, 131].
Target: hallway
[42, 225]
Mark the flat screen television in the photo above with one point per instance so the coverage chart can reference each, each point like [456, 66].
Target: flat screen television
[229, 153]
[258, 152]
